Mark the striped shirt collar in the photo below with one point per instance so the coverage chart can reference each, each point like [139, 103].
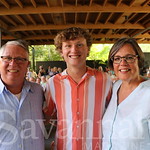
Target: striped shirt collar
[89, 72]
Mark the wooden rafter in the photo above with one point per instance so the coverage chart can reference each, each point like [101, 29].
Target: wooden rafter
[73, 9]
[31, 19]
[121, 15]
[104, 3]
[132, 3]
[107, 20]
[34, 3]
[47, 2]
[110, 15]
[10, 20]
[42, 18]
[98, 16]
[20, 19]
[137, 20]
[76, 2]
[90, 26]
[91, 1]
[146, 3]
[75, 19]
[86, 19]
[127, 19]
[19, 3]
[118, 2]
[5, 3]
[62, 3]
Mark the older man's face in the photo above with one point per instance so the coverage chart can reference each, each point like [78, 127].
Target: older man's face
[13, 71]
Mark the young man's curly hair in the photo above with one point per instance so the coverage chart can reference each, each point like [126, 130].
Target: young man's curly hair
[71, 34]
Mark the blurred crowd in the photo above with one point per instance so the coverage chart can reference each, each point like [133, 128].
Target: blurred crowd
[42, 75]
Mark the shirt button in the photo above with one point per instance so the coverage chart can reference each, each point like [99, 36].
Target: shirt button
[77, 126]
[77, 99]
[78, 113]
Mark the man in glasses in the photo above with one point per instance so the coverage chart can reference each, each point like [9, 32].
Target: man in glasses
[20, 101]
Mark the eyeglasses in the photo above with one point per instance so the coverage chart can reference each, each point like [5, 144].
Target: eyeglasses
[18, 60]
[128, 59]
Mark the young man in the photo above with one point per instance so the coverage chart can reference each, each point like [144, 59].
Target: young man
[78, 94]
[20, 101]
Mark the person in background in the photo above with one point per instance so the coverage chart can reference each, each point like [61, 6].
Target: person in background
[79, 94]
[100, 68]
[38, 80]
[20, 101]
[32, 79]
[48, 70]
[41, 71]
[43, 82]
[126, 122]
[31, 73]
[59, 69]
[47, 77]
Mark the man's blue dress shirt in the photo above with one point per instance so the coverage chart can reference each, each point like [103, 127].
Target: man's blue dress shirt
[21, 120]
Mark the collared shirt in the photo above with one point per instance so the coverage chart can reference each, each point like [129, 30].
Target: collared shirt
[20, 120]
[127, 126]
[80, 108]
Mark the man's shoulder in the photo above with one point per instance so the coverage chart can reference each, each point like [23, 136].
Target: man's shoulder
[34, 86]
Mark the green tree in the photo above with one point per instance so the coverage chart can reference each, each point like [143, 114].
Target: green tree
[99, 52]
[45, 53]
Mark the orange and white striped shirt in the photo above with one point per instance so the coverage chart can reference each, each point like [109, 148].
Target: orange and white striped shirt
[79, 107]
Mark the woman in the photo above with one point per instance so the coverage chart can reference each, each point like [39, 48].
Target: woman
[126, 123]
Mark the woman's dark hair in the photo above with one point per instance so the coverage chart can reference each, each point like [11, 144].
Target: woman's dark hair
[119, 44]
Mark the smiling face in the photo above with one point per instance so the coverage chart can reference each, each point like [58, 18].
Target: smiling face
[75, 52]
[13, 73]
[126, 71]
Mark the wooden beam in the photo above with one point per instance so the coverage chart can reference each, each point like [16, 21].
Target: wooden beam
[75, 18]
[118, 2]
[47, 2]
[76, 2]
[137, 20]
[89, 26]
[31, 19]
[93, 36]
[20, 19]
[42, 18]
[74, 9]
[105, 1]
[97, 18]
[132, 2]
[3, 25]
[62, 3]
[110, 15]
[34, 3]
[10, 20]
[146, 3]
[64, 18]
[86, 19]
[5, 4]
[91, 1]
[19, 3]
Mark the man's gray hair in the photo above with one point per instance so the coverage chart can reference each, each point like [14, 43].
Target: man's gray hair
[20, 43]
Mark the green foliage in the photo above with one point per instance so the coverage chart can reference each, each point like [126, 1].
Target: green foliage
[44, 53]
[98, 52]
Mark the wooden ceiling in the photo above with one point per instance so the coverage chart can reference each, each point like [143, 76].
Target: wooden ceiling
[38, 21]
